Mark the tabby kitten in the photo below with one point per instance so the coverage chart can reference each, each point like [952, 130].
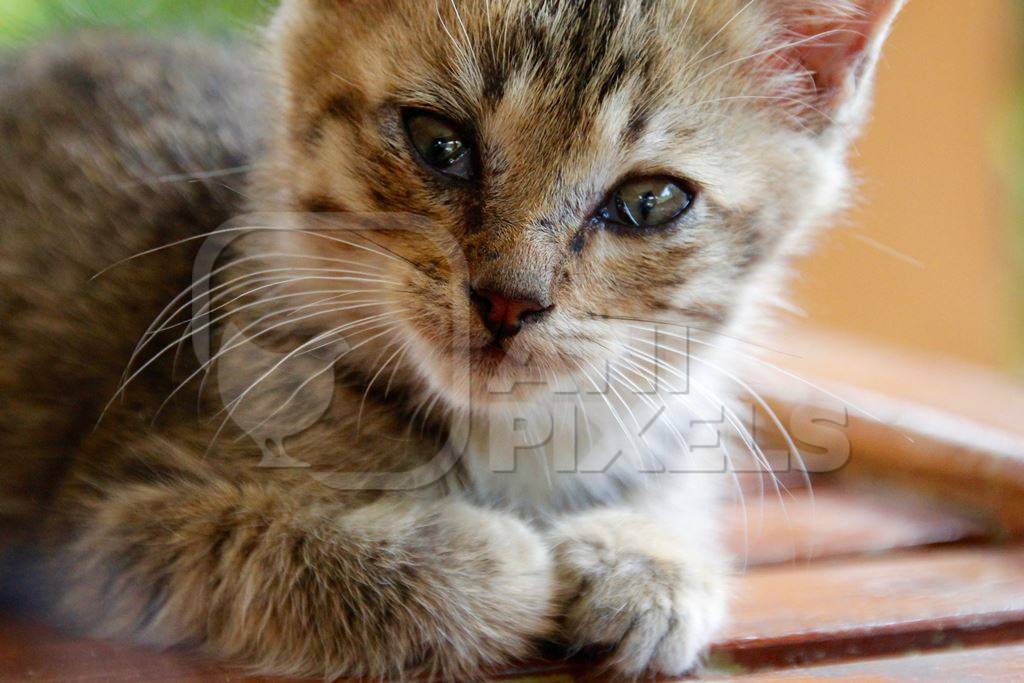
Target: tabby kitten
[476, 230]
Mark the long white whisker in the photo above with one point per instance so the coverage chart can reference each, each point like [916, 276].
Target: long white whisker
[653, 376]
[335, 295]
[228, 346]
[604, 397]
[644, 372]
[186, 177]
[362, 404]
[772, 98]
[650, 325]
[462, 24]
[304, 347]
[426, 415]
[767, 364]
[280, 282]
[233, 405]
[249, 229]
[796, 377]
[749, 441]
[765, 52]
[764, 405]
[737, 425]
[398, 364]
[191, 330]
[330, 365]
[263, 300]
[586, 417]
[160, 353]
[717, 33]
[149, 333]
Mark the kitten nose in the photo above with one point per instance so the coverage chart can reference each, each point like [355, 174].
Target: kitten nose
[503, 315]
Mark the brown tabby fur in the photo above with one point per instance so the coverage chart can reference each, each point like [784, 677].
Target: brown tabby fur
[147, 532]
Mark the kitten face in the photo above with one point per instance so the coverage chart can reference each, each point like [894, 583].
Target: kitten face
[557, 109]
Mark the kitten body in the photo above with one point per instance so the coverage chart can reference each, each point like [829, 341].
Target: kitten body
[436, 504]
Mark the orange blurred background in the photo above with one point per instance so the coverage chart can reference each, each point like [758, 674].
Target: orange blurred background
[927, 258]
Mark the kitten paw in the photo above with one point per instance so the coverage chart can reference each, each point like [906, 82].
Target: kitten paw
[636, 594]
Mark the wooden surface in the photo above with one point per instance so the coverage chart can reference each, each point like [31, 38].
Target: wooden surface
[894, 603]
[30, 652]
[903, 565]
[979, 665]
[839, 521]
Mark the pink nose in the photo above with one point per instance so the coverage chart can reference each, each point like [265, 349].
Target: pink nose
[504, 316]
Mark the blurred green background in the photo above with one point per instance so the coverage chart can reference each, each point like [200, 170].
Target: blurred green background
[24, 20]
[1014, 165]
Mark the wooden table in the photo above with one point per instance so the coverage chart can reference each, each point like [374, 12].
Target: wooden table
[903, 565]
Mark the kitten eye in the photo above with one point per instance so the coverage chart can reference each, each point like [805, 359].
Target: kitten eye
[647, 203]
[440, 144]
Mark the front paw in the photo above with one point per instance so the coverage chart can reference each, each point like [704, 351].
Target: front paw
[637, 592]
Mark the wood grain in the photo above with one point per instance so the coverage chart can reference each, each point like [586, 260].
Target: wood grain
[838, 521]
[31, 652]
[942, 429]
[782, 616]
[977, 664]
[794, 615]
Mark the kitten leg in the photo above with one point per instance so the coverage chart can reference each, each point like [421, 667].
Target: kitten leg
[654, 597]
[306, 587]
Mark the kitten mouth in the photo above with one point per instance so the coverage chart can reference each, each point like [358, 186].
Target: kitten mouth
[498, 357]
[489, 355]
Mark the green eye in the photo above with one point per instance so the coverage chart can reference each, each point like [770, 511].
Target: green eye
[647, 203]
[440, 144]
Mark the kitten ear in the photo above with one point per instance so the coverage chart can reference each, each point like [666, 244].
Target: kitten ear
[838, 42]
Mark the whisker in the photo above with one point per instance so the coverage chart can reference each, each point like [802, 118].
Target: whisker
[775, 98]
[233, 405]
[683, 442]
[583, 409]
[208, 277]
[309, 344]
[263, 283]
[189, 333]
[644, 372]
[749, 441]
[253, 229]
[768, 51]
[289, 312]
[462, 24]
[604, 397]
[653, 376]
[782, 371]
[426, 415]
[184, 177]
[387, 389]
[362, 403]
[886, 249]
[688, 326]
[227, 346]
[329, 365]
[747, 437]
[717, 33]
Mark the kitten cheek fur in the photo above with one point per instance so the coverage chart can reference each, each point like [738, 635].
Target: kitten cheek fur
[154, 537]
